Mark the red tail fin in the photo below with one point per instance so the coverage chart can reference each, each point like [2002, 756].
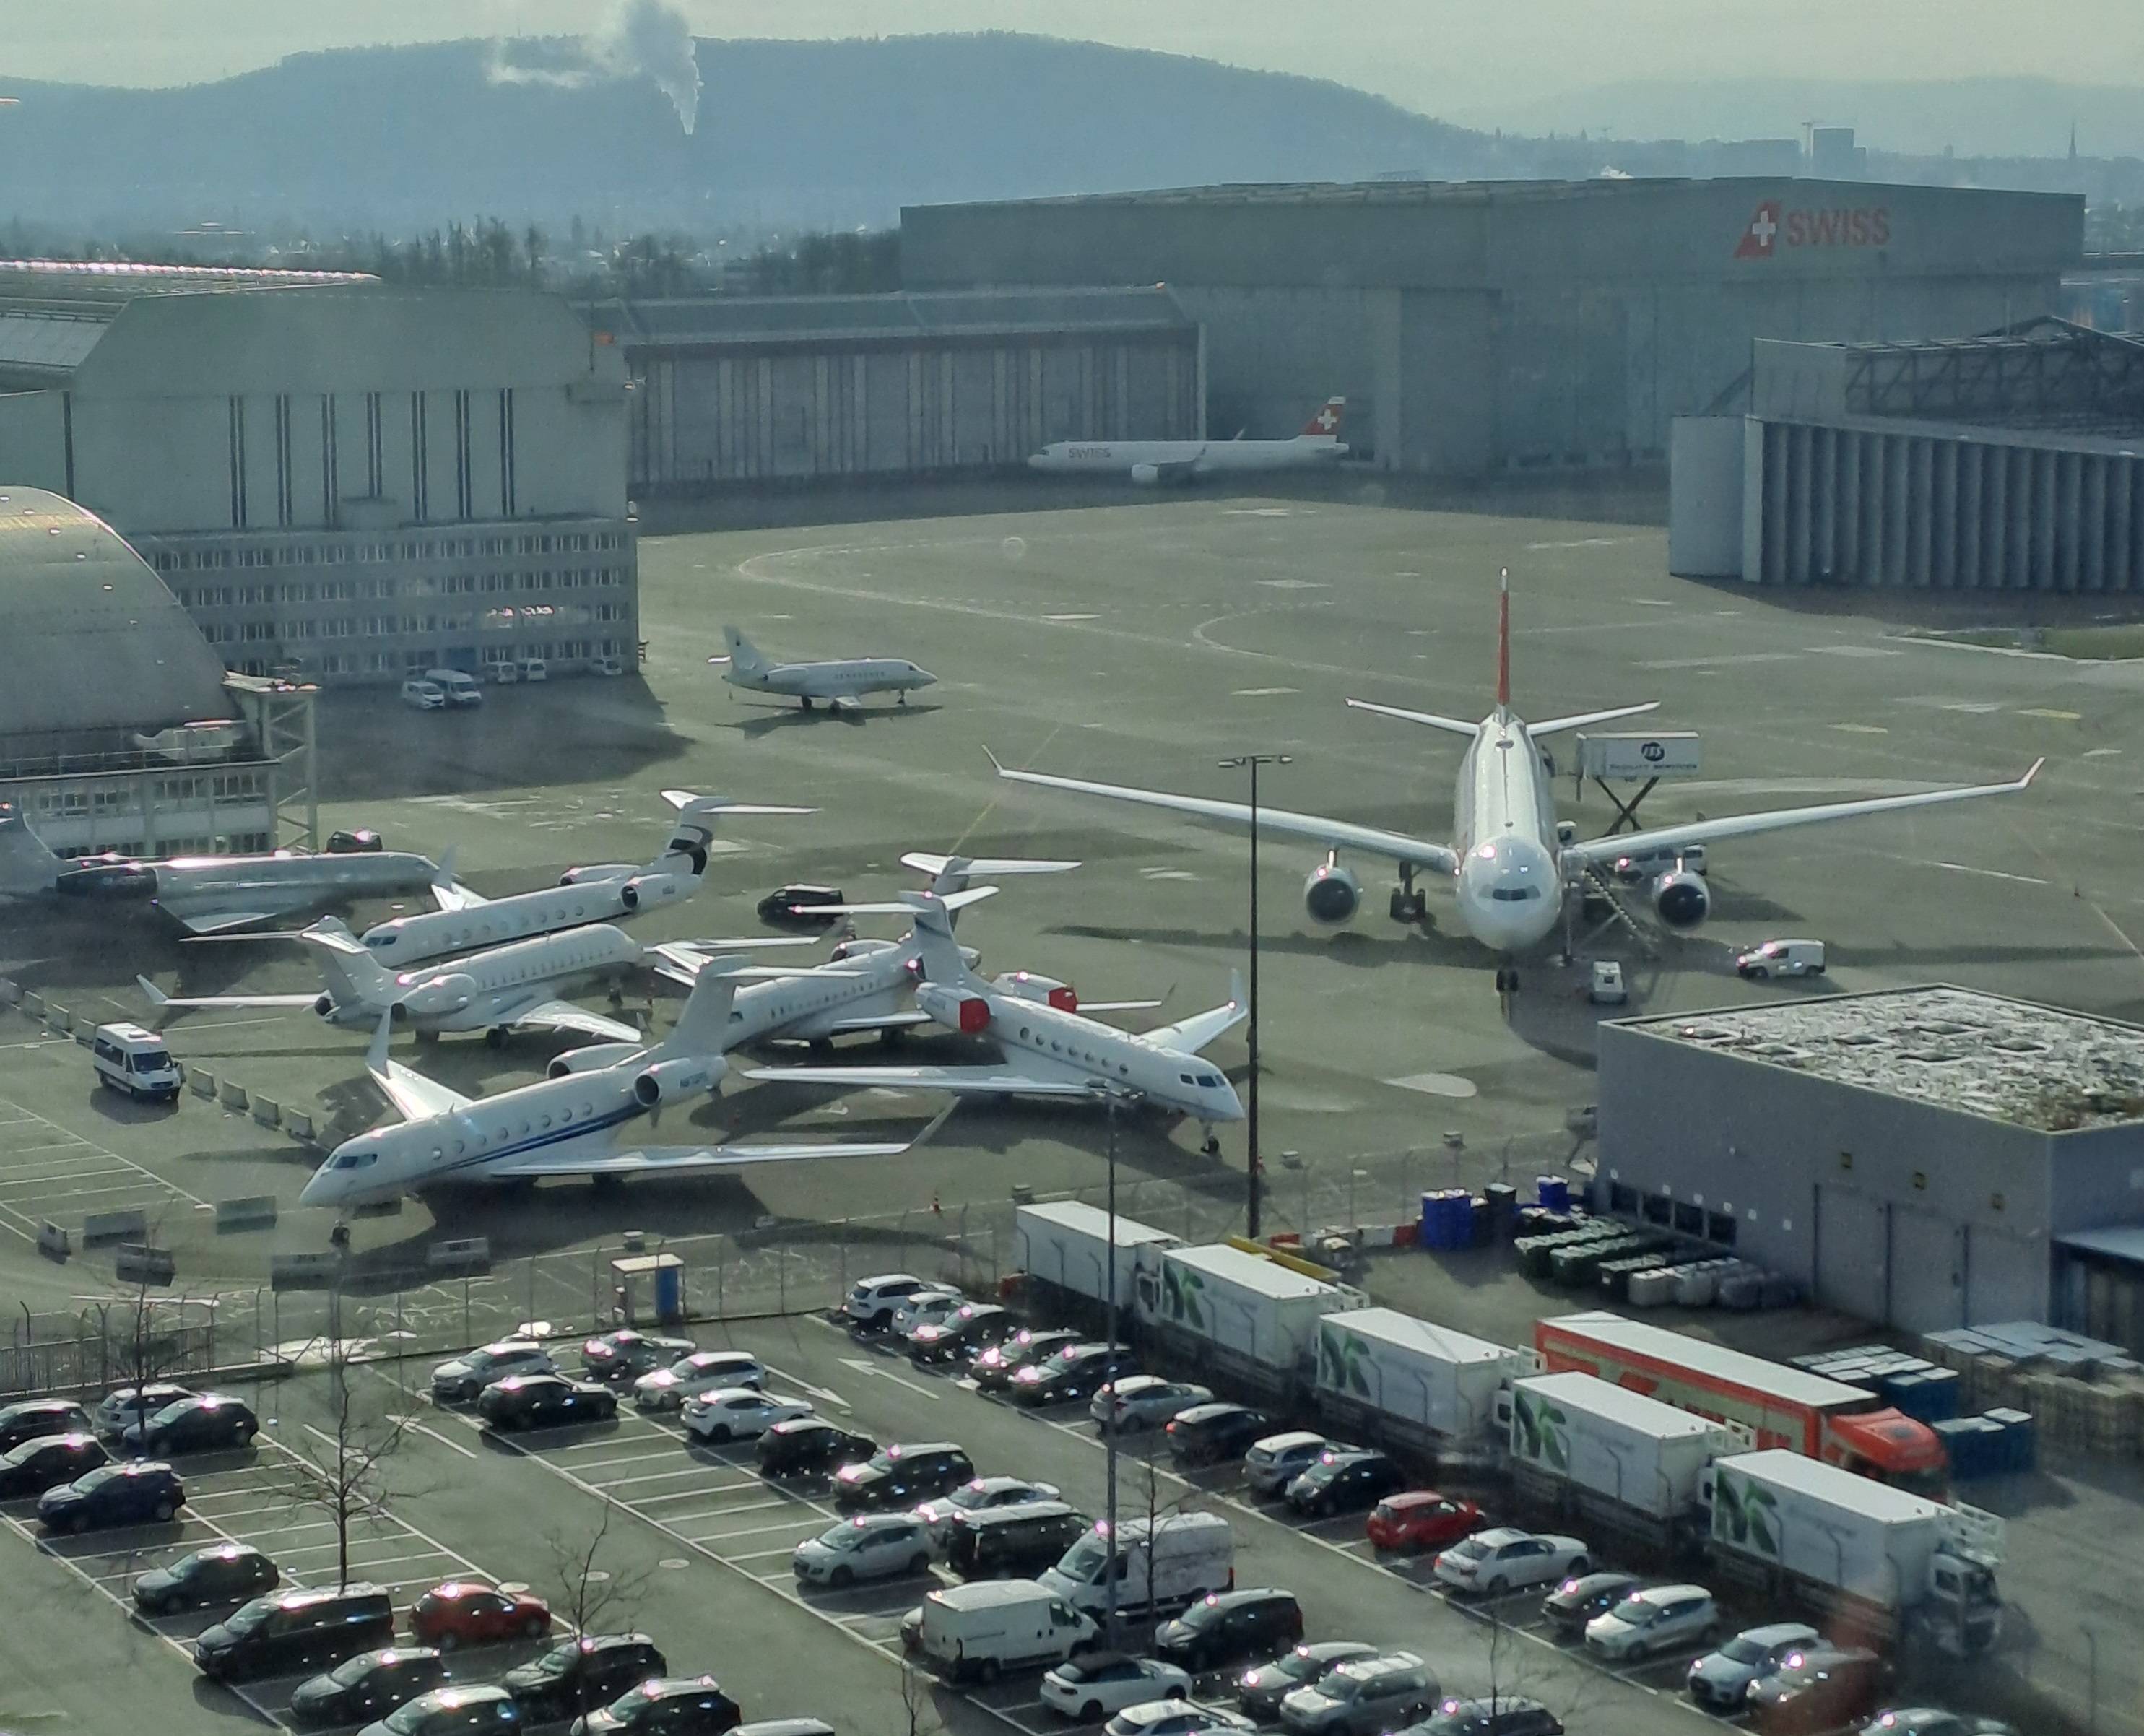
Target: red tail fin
[1327, 421]
[1504, 639]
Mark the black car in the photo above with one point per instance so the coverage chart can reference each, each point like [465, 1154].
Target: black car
[37, 1417]
[544, 1401]
[901, 1476]
[994, 1368]
[800, 907]
[967, 1331]
[366, 1687]
[45, 1461]
[1214, 1434]
[1072, 1374]
[620, 1357]
[203, 1422]
[1015, 1542]
[142, 1492]
[1575, 1602]
[223, 1573]
[290, 1632]
[1506, 1714]
[578, 1675]
[1345, 1482]
[811, 1446]
[679, 1706]
[1225, 1626]
[1818, 1689]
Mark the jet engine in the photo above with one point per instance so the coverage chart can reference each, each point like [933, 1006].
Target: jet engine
[324, 1006]
[590, 1057]
[1146, 475]
[668, 1081]
[1681, 898]
[1046, 991]
[598, 874]
[649, 890]
[1332, 895]
[441, 996]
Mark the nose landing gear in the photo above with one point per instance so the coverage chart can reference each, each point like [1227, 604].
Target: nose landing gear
[1408, 903]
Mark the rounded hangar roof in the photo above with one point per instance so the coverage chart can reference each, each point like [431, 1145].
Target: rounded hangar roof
[95, 640]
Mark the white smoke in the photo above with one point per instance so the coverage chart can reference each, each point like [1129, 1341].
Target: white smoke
[641, 39]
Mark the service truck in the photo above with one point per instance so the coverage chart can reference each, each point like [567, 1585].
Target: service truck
[1780, 1405]
[1890, 1565]
[1064, 1248]
[1241, 1311]
[1581, 1447]
[1409, 1384]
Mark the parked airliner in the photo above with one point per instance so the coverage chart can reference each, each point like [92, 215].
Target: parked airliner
[1162, 461]
[840, 682]
[1512, 862]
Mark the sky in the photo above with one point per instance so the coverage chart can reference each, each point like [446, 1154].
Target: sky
[1462, 59]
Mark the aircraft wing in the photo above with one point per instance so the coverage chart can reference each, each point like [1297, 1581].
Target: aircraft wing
[212, 923]
[971, 1081]
[878, 1021]
[164, 1003]
[418, 1097]
[1333, 834]
[1661, 840]
[449, 893]
[1188, 1036]
[656, 1160]
[563, 1015]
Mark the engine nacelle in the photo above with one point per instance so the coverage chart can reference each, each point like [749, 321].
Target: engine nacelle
[1681, 898]
[644, 891]
[671, 1081]
[1146, 475]
[588, 1058]
[1630, 870]
[1045, 991]
[324, 1006]
[595, 876]
[1332, 895]
[441, 996]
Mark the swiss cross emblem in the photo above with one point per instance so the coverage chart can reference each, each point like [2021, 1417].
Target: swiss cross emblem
[1327, 419]
[1763, 230]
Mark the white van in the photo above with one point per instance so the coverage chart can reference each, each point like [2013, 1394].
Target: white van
[535, 668]
[459, 688]
[425, 695]
[138, 1062]
[504, 673]
[612, 666]
[1187, 1555]
[1782, 958]
[980, 1628]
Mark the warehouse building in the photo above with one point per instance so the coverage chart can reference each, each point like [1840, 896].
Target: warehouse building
[820, 388]
[1477, 327]
[2002, 463]
[1925, 1158]
[341, 481]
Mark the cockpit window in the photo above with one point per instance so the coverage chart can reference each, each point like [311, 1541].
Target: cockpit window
[353, 1159]
[1209, 1079]
[1514, 894]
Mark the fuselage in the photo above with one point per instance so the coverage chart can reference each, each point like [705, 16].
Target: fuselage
[1201, 456]
[1510, 884]
[846, 678]
[191, 886]
[486, 990]
[436, 934]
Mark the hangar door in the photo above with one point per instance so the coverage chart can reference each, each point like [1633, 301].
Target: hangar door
[2007, 1277]
[1853, 1246]
[1928, 1270]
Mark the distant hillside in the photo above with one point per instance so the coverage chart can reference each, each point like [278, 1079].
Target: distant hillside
[824, 132]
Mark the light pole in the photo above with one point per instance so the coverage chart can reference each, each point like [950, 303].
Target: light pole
[1253, 762]
[1111, 1096]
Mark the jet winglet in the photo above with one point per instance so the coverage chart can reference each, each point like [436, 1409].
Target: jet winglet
[375, 1053]
[156, 997]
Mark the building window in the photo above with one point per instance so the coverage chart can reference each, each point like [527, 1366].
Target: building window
[1720, 1227]
[1659, 1208]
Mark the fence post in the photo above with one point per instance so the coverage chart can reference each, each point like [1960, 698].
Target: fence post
[595, 1286]
[531, 1289]
[843, 1268]
[722, 1307]
[465, 1308]
[782, 1280]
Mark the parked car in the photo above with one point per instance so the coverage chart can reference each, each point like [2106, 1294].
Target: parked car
[37, 1417]
[464, 1613]
[739, 1413]
[1097, 1683]
[1781, 958]
[811, 1446]
[203, 1422]
[1719, 1681]
[1929, 1721]
[1214, 1434]
[1225, 1626]
[1144, 1401]
[1415, 1519]
[1071, 1374]
[901, 1476]
[1271, 1464]
[801, 906]
[473, 1710]
[1659, 1618]
[628, 1353]
[44, 1462]
[966, 1333]
[1363, 1697]
[141, 1492]
[1020, 1542]
[979, 1494]
[369, 1686]
[462, 1379]
[424, 695]
[873, 1301]
[578, 1675]
[126, 1405]
[1503, 1714]
[223, 1573]
[869, 1546]
[1503, 1559]
[937, 1302]
[290, 1632]
[1576, 1600]
[544, 1401]
[1344, 1482]
[704, 1371]
[995, 1368]
[1260, 1691]
[1817, 1687]
[1174, 1718]
[671, 1705]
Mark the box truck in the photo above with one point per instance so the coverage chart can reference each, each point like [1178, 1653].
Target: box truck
[1064, 1248]
[1780, 1407]
[1240, 1310]
[1581, 1445]
[976, 1630]
[1888, 1564]
[1408, 1384]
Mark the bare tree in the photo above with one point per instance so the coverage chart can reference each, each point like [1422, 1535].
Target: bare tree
[153, 1339]
[341, 1470]
[592, 1598]
[919, 1709]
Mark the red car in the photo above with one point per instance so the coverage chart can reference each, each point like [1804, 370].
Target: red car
[459, 1613]
[1421, 1519]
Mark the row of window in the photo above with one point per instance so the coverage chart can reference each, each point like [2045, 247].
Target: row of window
[121, 796]
[227, 844]
[385, 627]
[1685, 1217]
[336, 554]
[391, 662]
[351, 590]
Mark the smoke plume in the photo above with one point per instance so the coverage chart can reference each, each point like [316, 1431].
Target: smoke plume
[641, 39]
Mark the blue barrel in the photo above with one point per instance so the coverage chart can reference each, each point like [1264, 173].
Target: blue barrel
[1553, 1192]
[670, 1294]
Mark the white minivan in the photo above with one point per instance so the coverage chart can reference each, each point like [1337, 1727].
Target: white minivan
[424, 695]
[1161, 1564]
[535, 668]
[460, 689]
[130, 1059]
[987, 1626]
[1782, 958]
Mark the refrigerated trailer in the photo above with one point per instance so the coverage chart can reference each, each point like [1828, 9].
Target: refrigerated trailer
[1064, 1248]
[1241, 1312]
[1585, 1448]
[1406, 1384]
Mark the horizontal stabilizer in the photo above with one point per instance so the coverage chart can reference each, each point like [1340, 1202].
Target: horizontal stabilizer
[1586, 720]
[909, 905]
[211, 925]
[1450, 726]
[689, 801]
[925, 862]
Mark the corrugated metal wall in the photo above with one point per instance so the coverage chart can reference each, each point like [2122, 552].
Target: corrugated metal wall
[1939, 510]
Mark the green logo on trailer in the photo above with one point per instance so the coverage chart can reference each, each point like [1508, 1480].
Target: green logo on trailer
[1540, 1431]
[1179, 1294]
[1745, 1515]
[1342, 1359]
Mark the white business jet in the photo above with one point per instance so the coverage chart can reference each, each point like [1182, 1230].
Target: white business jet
[1511, 862]
[1049, 1048]
[582, 1124]
[1153, 462]
[840, 680]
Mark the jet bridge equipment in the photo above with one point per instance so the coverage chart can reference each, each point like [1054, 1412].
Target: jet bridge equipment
[1644, 760]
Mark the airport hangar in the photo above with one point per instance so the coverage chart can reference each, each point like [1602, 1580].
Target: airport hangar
[1926, 1157]
[341, 481]
[1481, 327]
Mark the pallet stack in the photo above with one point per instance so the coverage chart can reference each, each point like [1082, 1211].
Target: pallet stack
[2084, 1394]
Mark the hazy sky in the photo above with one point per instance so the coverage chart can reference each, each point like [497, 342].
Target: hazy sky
[1463, 57]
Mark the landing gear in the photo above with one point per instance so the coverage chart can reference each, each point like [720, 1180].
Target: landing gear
[426, 1038]
[1212, 1147]
[903, 698]
[1408, 904]
[806, 704]
[495, 1038]
[339, 1237]
[618, 997]
[1507, 979]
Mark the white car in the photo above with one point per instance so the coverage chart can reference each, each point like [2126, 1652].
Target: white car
[1175, 1717]
[466, 1376]
[873, 1303]
[1659, 1618]
[870, 1546]
[1502, 1560]
[1720, 1681]
[929, 1307]
[1781, 958]
[976, 1497]
[705, 1370]
[739, 1413]
[425, 695]
[1096, 1683]
[126, 1406]
[1145, 1401]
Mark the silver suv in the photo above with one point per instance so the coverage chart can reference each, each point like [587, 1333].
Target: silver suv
[1363, 1697]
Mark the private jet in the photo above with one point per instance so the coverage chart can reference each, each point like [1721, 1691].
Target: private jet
[839, 682]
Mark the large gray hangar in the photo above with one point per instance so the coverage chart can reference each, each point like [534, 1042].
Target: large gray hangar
[1925, 1157]
[1480, 326]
